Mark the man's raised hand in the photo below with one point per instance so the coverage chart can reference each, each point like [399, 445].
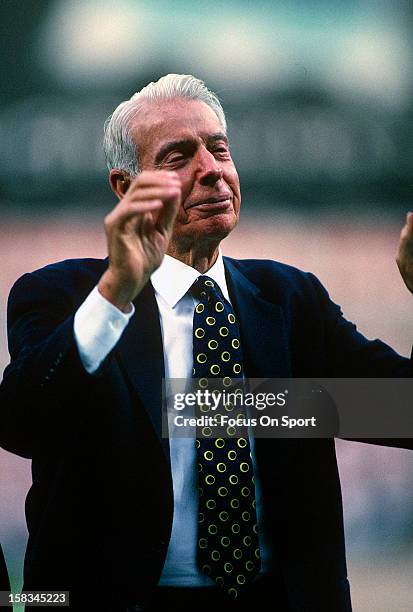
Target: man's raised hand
[138, 231]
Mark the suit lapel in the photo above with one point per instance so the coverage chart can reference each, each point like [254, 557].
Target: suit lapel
[262, 327]
[141, 352]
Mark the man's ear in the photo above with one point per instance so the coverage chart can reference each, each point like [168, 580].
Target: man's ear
[119, 181]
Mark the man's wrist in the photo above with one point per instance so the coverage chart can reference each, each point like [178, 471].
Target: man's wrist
[114, 293]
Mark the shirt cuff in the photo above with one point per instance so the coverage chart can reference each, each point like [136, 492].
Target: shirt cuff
[98, 326]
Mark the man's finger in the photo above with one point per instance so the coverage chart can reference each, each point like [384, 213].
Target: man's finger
[407, 231]
[121, 215]
[404, 257]
[160, 192]
[155, 178]
[406, 235]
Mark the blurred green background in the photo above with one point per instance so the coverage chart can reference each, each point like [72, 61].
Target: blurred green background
[318, 97]
[318, 94]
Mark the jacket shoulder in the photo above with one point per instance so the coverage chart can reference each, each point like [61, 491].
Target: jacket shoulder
[72, 267]
[70, 280]
[270, 275]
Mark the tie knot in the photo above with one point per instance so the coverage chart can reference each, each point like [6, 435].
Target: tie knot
[205, 287]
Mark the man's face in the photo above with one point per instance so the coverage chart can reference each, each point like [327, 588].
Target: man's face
[186, 137]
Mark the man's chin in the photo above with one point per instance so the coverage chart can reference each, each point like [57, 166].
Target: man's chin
[217, 224]
[213, 227]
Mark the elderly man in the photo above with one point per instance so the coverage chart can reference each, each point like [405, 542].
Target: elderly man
[117, 514]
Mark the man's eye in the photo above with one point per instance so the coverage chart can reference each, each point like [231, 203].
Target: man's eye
[174, 159]
[222, 149]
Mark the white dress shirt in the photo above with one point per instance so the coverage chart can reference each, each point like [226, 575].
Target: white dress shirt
[98, 325]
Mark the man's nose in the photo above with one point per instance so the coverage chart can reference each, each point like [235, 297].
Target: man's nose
[209, 170]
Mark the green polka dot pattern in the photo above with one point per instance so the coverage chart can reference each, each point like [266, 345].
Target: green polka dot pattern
[228, 548]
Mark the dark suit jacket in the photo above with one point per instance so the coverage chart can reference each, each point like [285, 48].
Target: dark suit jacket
[99, 512]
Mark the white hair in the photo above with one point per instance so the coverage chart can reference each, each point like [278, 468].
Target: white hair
[118, 143]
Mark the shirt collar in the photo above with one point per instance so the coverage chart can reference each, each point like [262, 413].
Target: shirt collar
[173, 279]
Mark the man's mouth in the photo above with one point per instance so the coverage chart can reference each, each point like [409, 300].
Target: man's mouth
[224, 198]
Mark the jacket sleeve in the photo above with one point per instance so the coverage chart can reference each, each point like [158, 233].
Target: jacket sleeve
[352, 355]
[45, 366]
[349, 353]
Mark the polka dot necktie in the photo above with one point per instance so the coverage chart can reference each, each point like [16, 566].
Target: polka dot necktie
[228, 548]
